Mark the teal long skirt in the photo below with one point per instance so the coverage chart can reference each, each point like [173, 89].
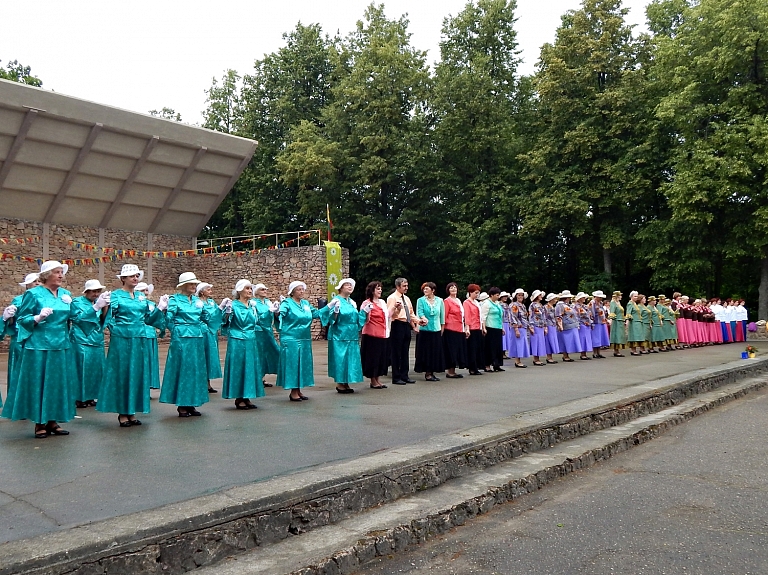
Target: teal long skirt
[212, 361]
[43, 389]
[185, 380]
[14, 355]
[127, 376]
[296, 369]
[154, 363]
[618, 333]
[89, 371]
[268, 350]
[344, 364]
[242, 370]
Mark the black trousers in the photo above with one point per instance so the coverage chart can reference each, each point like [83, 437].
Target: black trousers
[494, 347]
[400, 343]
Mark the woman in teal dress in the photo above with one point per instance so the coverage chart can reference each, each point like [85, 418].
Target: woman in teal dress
[344, 323]
[242, 369]
[185, 380]
[152, 334]
[636, 332]
[44, 387]
[296, 370]
[10, 329]
[266, 346]
[618, 321]
[212, 361]
[657, 338]
[131, 361]
[88, 344]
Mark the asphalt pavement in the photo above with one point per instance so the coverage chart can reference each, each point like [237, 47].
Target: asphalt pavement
[102, 471]
[692, 501]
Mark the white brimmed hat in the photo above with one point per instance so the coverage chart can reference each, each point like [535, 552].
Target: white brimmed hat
[483, 296]
[345, 281]
[241, 285]
[92, 285]
[633, 293]
[580, 295]
[187, 278]
[504, 293]
[29, 278]
[536, 293]
[258, 287]
[293, 285]
[52, 265]
[520, 290]
[141, 286]
[201, 286]
[598, 293]
[131, 270]
[551, 296]
[564, 294]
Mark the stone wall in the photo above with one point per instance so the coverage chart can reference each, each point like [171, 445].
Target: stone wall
[274, 268]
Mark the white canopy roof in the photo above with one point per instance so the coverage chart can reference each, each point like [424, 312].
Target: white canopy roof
[69, 161]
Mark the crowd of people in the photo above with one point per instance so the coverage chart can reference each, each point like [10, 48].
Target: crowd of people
[57, 361]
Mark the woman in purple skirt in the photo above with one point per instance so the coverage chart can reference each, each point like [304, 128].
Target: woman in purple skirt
[537, 319]
[600, 337]
[552, 329]
[518, 315]
[568, 324]
[585, 324]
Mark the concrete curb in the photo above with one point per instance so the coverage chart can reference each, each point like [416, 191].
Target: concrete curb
[184, 536]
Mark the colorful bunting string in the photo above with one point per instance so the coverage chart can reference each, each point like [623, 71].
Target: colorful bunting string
[29, 240]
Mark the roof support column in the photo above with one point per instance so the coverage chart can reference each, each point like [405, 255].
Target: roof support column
[101, 262]
[150, 243]
[46, 239]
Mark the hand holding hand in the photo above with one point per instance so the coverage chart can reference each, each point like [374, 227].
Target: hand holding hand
[9, 312]
[367, 306]
[337, 306]
[226, 302]
[162, 304]
[275, 306]
[332, 303]
[44, 313]
[102, 301]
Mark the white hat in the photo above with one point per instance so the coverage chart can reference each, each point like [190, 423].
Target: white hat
[186, 278]
[92, 285]
[52, 265]
[241, 285]
[522, 291]
[504, 293]
[633, 293]
[345, 281]
[141, 286]
[551, 296]
[294, 285]
[258, 287]
[536, 293]
[201, 286]
[580, 295]
[483, 296]
[598, 293]
[131, 270]
[29, 278]
[564, 294]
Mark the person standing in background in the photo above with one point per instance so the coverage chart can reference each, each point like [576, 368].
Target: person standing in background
[475, 353]
[88, 344]
[11, 330]
[455, 334]
[403, 321]
[204, 292]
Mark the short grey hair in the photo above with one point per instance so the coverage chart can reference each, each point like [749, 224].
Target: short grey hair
[400, 281]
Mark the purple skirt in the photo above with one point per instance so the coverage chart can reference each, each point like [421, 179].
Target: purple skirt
[569, 341]
[585, 338]
[519, 347]
[600, 336]
[538, 342]
[507, 339]
[553, 345]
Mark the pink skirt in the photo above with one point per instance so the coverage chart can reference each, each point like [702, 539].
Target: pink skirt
[682, 330]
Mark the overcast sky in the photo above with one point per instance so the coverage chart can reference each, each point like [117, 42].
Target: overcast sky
[146, 54]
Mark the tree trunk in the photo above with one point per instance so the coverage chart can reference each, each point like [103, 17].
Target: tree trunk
[762, 307]
[607, 262]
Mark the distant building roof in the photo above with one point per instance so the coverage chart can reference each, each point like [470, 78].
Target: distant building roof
[69, 161]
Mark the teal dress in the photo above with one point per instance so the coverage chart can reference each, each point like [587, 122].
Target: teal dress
[185, 380]
[154, 352]
[44, 387]
[296, 370]
[344, 363]
[636, 328]
[211, 331]
[14, 347]
[657, 325]
[243, 373]
[266, 346]
[618, 333]
[88, 351]
[131, 358]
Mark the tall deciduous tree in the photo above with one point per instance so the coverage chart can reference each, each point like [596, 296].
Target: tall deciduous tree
[16, 72]
[716, 64]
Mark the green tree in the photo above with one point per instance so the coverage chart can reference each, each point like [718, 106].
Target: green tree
[16, 72]
[166, 114]
[716, 63]
[585, 164]
[369, 151]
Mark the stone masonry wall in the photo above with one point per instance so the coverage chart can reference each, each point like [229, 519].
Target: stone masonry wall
[274, 268]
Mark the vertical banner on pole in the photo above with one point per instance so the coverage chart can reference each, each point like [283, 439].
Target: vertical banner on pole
[332, 266]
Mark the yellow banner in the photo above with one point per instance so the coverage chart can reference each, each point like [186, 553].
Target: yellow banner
[332, 266]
